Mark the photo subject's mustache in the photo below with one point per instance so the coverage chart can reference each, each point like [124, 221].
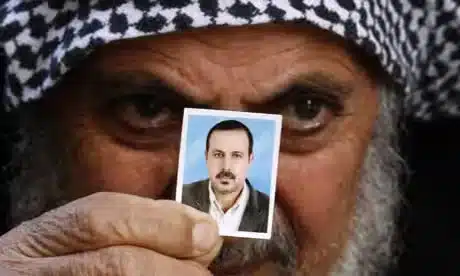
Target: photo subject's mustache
[226, 174]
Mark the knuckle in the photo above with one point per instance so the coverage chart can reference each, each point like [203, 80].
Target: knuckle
[84, 224]
[172, 228]
[92, 215]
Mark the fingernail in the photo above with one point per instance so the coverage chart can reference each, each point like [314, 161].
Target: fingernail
[203, 236]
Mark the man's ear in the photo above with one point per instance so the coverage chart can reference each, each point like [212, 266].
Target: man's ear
[205, 154]
[251, 157]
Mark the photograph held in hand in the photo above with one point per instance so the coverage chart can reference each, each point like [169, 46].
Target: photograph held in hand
[228, 164]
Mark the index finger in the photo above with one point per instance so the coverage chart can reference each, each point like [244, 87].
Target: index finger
[109, 219]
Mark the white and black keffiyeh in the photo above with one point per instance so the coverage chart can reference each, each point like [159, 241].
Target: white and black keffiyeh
[416, 41]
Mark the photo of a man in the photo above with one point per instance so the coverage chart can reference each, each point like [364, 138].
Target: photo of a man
[227, 194]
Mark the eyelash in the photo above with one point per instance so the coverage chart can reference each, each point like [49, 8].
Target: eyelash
[122, 119]
[330, 99]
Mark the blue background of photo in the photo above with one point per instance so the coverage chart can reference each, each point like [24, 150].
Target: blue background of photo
[263, 131]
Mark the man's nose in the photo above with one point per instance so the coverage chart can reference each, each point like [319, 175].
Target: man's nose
[226, 163]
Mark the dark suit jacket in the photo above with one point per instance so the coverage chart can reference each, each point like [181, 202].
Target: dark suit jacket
[255, 216]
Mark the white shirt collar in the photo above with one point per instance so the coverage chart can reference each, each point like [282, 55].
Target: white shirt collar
[229, 221]
[242, 199]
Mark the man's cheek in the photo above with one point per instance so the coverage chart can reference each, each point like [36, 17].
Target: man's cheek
[317, 191]
[212, 171]
[106, 166]
[241, 170]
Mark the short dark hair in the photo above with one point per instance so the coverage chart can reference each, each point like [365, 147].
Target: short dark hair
[231, 125]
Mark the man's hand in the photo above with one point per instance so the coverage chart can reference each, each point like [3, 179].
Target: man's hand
[112, 234]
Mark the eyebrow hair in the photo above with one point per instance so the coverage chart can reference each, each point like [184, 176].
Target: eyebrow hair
[232, 152]
[138, 80]
[320, 83]
[125, 83]
[323, 81]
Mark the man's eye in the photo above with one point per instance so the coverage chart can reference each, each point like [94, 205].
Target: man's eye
[143, 120]
[237, 155]
[307, 113]
[141, 112]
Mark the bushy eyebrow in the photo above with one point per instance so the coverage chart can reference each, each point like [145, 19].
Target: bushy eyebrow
[321, 83]
[327, 82]
[129, 81]
[126, 83]
[220, 151]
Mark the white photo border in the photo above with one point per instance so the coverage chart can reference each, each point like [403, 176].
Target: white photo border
[274, 173]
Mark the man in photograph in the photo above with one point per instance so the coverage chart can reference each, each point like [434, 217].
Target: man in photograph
[227, 195]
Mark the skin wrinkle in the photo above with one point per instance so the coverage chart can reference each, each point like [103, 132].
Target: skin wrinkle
[185, 75]
[218, 55]
[227, 43]
[216, 60]
[320, 217]
[321, 38]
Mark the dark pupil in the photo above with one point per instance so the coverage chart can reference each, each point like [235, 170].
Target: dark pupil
[146, 106]
[307, 109]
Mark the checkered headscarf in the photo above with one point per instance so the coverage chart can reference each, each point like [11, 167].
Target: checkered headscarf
[417, 42]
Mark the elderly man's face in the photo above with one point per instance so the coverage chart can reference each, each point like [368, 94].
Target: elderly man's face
[120, 114]
[228, 160]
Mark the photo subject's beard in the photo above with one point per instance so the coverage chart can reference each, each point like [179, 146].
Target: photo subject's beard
[369, 249]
